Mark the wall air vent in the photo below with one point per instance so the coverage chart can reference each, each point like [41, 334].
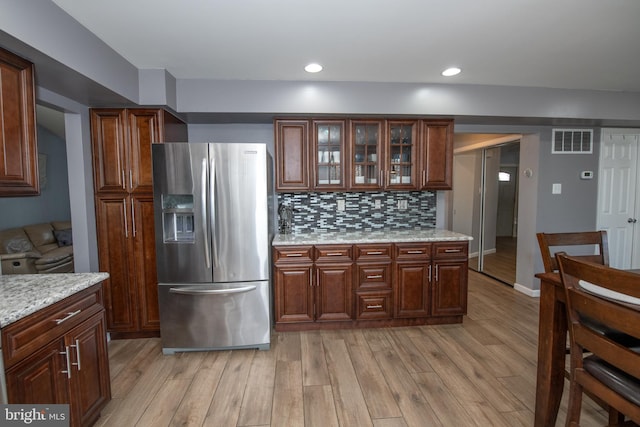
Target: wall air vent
[572, 141]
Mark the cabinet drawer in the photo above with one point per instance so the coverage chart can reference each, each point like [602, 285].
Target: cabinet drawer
[450, 250]
[334, 253]
[374, 276]
[373, 305]
[24, 337]
[373, 251]
[292, 254]
[413, 251]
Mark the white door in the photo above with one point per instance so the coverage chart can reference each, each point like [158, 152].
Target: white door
[617, 196]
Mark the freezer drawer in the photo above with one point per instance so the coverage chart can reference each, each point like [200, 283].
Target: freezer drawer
[214, 316]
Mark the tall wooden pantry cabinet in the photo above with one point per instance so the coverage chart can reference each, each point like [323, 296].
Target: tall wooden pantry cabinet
[122, 173]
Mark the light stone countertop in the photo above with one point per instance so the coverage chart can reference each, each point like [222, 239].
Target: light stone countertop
[373, 236]
[24, 294]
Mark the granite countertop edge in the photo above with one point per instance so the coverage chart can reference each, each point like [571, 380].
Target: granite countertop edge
[24, 294]
[366, 236]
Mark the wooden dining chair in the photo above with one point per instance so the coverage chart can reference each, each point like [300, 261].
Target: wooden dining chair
[581, 244]
[600, 365]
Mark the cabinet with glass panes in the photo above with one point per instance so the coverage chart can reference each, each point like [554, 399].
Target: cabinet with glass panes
[400, 162]
[329, 143]
[366, 153]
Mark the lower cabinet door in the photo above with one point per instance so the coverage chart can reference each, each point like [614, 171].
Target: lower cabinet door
[294, 293]
[449, 288]
[412, 289]
[334, 299]
[90, 382]
[41, 378]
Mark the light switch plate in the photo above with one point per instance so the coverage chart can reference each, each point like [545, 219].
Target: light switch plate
[556, 189]
[341, 205]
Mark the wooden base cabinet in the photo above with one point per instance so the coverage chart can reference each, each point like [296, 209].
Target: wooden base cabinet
[64, 364]
[307, 292]
[127, 252]
[398, 284]
[450, 277]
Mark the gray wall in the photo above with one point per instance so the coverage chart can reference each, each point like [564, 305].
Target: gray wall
[53, 202]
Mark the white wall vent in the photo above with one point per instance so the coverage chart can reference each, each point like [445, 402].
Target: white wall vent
[572, 141]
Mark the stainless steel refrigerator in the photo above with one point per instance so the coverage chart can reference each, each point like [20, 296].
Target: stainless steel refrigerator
[213, 222]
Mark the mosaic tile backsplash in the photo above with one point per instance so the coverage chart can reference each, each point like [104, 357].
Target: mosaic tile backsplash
[319, 211]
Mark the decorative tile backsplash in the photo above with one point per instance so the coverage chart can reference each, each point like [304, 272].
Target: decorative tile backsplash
[319, 211]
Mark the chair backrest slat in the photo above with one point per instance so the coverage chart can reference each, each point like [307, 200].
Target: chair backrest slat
[578, 242]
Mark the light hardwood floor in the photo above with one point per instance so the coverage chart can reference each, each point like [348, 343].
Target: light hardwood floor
[479, 373]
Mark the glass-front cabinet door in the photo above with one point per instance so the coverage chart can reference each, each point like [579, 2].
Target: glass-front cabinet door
[366, 154]
[401, 156]
[329, 142]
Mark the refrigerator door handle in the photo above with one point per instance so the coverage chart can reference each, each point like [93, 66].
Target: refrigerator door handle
[212, 202]
[203, 195]
[196, 291]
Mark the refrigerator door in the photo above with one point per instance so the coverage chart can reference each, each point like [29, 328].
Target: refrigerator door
[214, 316]
[183, 232]
[240, 223]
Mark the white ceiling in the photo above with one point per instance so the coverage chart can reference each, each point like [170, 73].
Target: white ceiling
[574, 44]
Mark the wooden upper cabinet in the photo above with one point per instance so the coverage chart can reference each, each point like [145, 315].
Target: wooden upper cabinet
[122, 140]
[329, 143]
[360, 154]
[401, 158]
[144, 130]
[292, 155]
[18, 146]
[365, 153]
[108, 134]
[437, 155]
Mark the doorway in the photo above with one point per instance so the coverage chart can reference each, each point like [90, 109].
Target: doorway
[485, 206]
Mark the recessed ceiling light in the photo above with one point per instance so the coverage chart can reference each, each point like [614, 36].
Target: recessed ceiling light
[453, 71]
[313, 68]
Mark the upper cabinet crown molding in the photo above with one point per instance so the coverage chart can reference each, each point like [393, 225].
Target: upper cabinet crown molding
[18, 145]
[357, 154]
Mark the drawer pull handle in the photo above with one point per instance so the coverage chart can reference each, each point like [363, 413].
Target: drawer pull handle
[334, 254]
[375, 276]
[67, 317]
[451, 251]
[374, 253]
[66, 354]
[414, 252]
[294, 255]
[77, 347]
[369, 307]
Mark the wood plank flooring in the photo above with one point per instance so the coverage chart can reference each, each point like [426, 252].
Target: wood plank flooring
[479, 373]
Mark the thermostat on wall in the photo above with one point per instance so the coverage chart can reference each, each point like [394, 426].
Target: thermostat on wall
[586, 175]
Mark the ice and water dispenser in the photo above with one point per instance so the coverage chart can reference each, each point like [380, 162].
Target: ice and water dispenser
[178, 218]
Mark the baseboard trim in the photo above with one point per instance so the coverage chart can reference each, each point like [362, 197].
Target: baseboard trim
[535, 293]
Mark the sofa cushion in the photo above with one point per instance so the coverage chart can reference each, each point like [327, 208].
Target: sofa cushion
[63, 237]
[14, 241]
[56, 256]
[41, 235]
[61, 225]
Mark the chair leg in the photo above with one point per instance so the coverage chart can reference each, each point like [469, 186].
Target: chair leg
[574, 405]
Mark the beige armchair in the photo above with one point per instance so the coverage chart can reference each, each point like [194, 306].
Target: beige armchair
[38, 248]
